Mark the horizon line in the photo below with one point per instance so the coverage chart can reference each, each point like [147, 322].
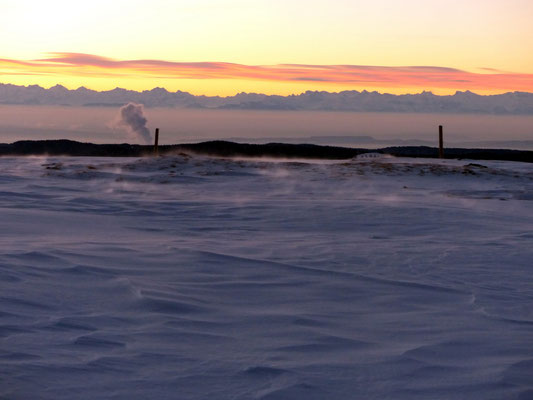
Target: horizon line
[363, 91]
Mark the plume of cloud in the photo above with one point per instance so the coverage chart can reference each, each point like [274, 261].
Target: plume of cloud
[131, 118]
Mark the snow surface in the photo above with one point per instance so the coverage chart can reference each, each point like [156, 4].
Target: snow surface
[198, 278]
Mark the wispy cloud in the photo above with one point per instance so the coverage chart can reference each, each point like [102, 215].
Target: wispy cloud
[428, 77]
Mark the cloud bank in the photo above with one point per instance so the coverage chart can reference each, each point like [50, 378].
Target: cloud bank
[78, 64]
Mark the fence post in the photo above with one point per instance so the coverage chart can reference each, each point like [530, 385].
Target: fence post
[441, 143]
[156, 142]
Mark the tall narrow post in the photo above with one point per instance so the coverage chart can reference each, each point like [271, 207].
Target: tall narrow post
[441, 143]
[156, 142]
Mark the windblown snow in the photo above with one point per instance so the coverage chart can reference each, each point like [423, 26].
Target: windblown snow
[190, 277]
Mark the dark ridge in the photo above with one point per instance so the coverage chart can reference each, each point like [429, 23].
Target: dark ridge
[283, 150]
[221, 148]
[71, 148]
[280, 150]
[459, 153]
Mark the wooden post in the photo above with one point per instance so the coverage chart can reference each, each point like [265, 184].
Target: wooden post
[441, 143]
[156, 142]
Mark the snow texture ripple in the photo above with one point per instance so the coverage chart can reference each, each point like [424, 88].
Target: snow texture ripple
[200, 278]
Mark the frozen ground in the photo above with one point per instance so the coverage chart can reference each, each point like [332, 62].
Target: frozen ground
[197, 278]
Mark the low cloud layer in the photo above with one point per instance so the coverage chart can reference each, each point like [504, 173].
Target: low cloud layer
[77, 64]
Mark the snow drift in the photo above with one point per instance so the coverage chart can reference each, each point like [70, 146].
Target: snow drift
[200, 278]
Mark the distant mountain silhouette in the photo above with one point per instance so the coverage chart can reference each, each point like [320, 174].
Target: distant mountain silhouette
[512, 103]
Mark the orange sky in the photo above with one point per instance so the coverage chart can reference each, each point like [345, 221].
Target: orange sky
[222, 47]
[91, 67]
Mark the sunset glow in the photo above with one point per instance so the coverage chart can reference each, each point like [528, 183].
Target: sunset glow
[106, 70]
[220, 47]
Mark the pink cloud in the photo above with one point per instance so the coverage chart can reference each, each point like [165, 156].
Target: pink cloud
[427, 77]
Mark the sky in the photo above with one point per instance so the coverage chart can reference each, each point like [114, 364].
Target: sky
[217, 47]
